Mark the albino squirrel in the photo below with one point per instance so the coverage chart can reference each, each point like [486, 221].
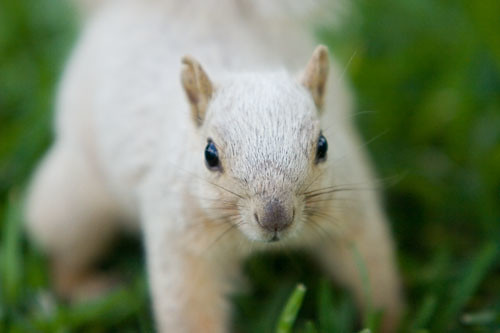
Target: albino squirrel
[210, 163]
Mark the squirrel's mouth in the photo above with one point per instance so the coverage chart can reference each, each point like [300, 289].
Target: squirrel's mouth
[274, 238]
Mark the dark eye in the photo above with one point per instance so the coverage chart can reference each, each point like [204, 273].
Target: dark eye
[322, 149]
[211, 156]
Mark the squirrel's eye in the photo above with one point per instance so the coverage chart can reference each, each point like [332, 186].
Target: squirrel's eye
[211, 156]
[322, 149]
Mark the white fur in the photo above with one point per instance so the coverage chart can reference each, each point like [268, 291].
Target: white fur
[127, 151]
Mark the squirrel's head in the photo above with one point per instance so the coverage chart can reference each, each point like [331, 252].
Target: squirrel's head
[260, 144]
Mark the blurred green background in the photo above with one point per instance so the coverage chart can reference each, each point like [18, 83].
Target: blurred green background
[426, 75]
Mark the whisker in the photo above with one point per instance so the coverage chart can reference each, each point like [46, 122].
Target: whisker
[332, 199]
[359, 113]
[347, 66]
[378, 136]
[218, 200]
[224, 233]
[336, 190]
[332, 220]
[312, 182]
[363, 145]
[322, 231]
[226, 216]
[320, 214]
[379, 184]
[235, 208]
[225, 189]
[352, 185]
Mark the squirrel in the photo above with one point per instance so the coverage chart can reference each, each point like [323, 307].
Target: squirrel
[238, 155]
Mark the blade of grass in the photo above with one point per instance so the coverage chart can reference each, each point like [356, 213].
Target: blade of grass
[267, 311]
[345, 315]
[108, 310]
[466, 287]
[425, 312]
[335, 311]
[309, 327]
[482, 318]
[11, 250]
[326, 314]
[291, 310]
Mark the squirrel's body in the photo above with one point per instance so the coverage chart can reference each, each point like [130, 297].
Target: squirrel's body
[128, 154]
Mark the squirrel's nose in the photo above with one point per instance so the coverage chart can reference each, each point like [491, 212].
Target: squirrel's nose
[275, 216]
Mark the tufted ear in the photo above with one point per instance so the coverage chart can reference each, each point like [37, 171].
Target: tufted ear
[316, 74]
[198, 88]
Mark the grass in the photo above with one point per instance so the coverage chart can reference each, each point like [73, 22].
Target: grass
[291, 309]
[425, 73]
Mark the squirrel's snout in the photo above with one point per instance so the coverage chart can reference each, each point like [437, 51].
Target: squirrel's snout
[275, 216]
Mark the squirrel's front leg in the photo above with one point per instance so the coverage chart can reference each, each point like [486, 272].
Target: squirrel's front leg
[188, 275]
[363, 260]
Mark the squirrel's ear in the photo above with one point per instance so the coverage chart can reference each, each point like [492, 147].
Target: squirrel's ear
[316, 74]
[198, 88]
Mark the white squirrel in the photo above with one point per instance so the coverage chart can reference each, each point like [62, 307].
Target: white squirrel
[253, 158]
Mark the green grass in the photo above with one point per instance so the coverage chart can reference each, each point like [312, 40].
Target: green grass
[426, 76]
[291, 309]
